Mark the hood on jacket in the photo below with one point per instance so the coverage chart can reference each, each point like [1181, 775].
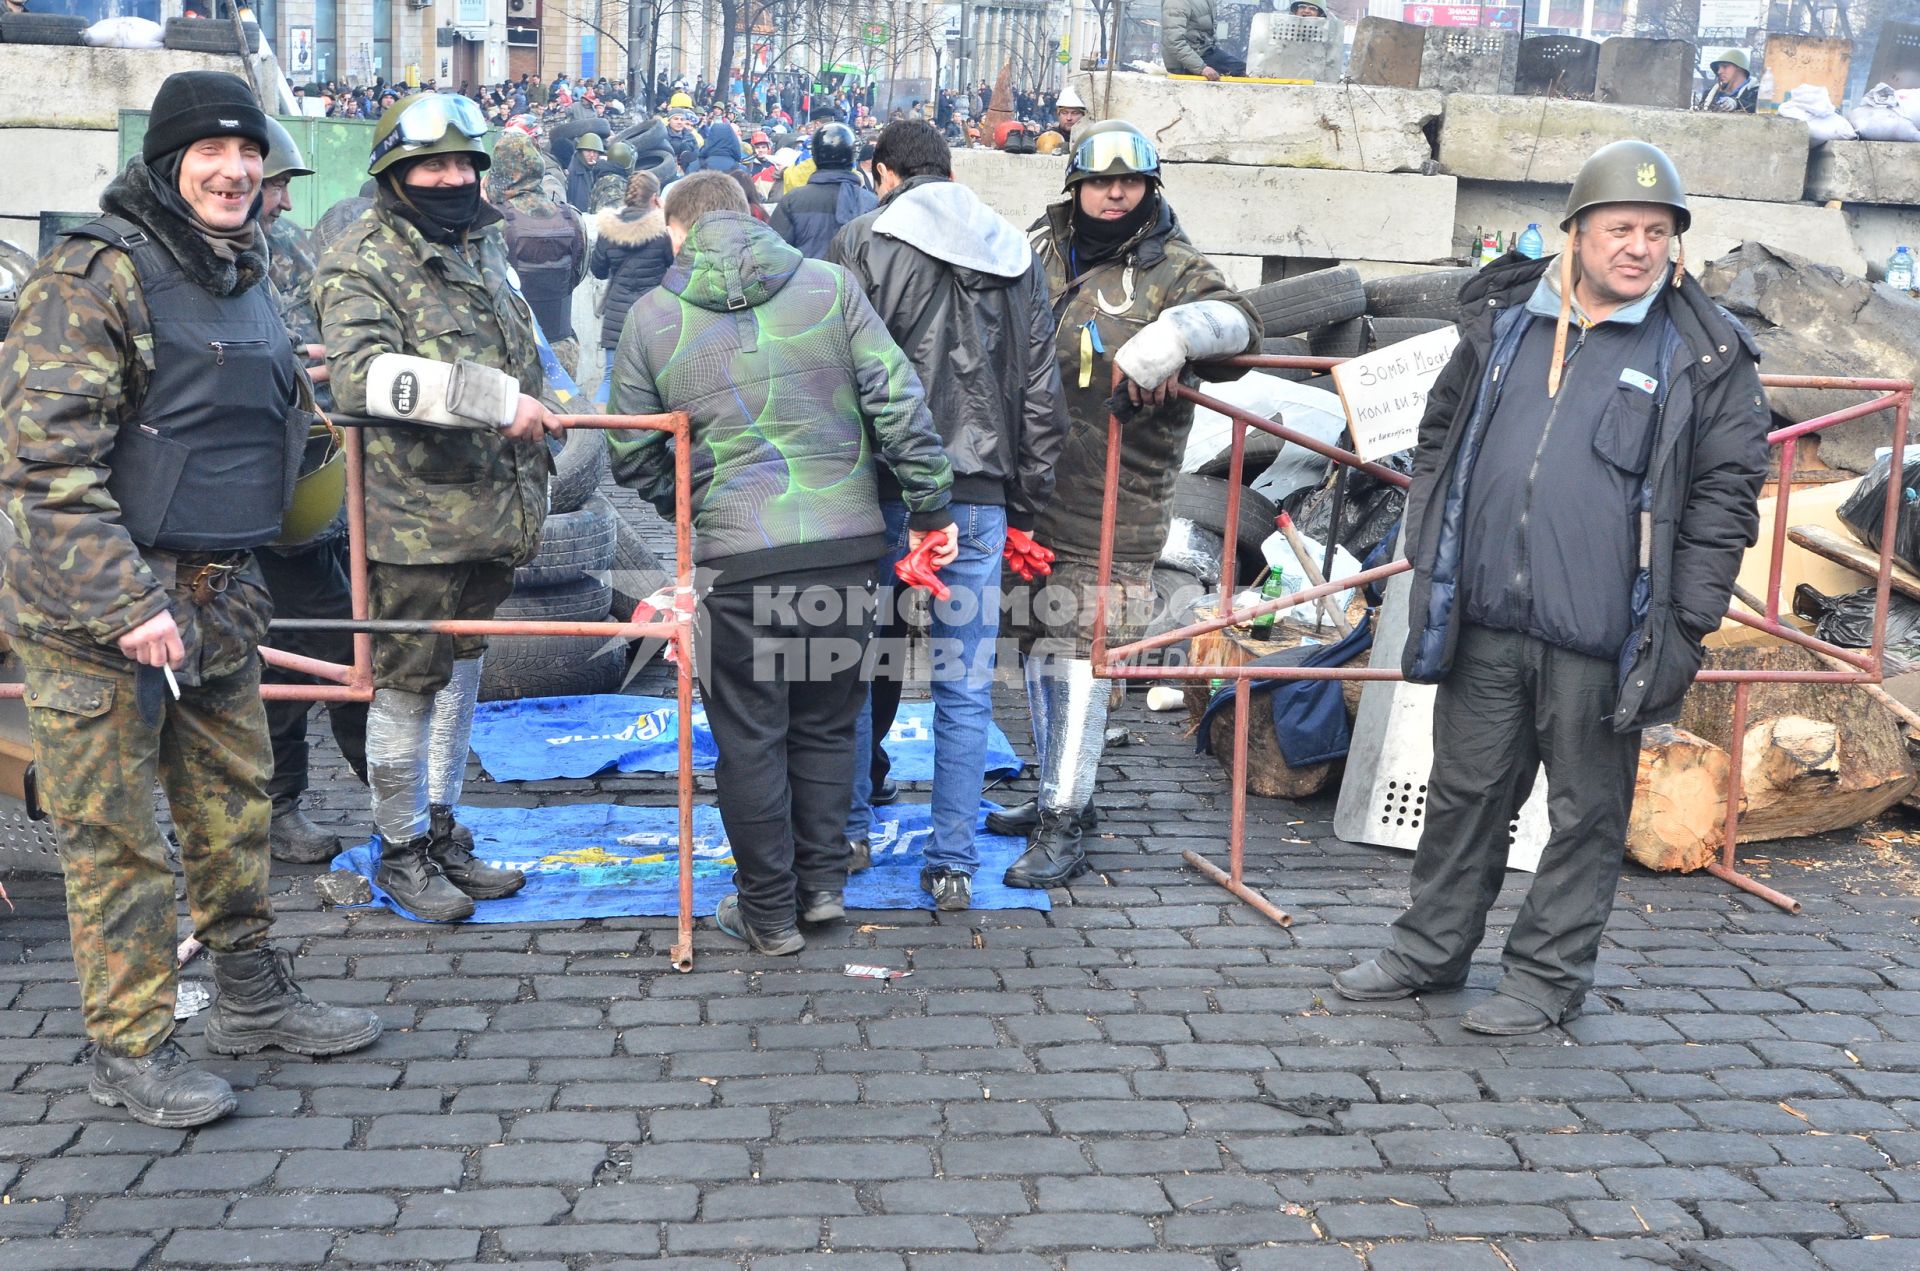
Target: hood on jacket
[630, 226]
[731, 262]
[132, 195]
[517, 169]
[948, 222]
[722, 152]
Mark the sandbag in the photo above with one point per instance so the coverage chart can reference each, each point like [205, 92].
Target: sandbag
[1878, 117]
[124, 33]
[1813, 106]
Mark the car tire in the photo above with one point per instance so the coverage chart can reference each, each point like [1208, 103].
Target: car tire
[1342, 339]
[1312, 300]
[41, 28]
[1203, 500]
[550, 666]
[573, 545]
[582, 600]
[207, 35]
[1435, 294]
[1286, 346]
[1388, 331]
[578, 470]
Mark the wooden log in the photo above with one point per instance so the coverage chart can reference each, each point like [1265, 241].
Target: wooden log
[1679, 801]
[1268, 773]
[1870, 769]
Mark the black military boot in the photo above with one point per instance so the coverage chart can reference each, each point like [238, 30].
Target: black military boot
[260, 1005]
[450, 845]
[1053, 856]
[1019, 820]
[292, 838]
[162, 1087]
[416, 884]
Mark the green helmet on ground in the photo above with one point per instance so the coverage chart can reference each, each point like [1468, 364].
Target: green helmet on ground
[1111, 148]
[1628, 172]
[427, 124]
[283, 153]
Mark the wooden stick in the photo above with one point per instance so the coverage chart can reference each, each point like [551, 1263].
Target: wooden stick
[1314, 576]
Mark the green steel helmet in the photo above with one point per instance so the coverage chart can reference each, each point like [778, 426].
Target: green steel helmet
[620, 154]
[283, 154]
[321, 490]
[590, 141]
[1112, 148]
[428, 124]
[1732, 57]
[1628, 172]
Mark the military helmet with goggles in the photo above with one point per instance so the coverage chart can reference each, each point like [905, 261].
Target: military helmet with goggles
[429, 124]
[1112, 148]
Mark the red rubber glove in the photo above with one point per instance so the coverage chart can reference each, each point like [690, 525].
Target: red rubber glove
[916, 568]
[1026, 557]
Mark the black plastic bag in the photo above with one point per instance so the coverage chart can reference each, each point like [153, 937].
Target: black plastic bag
[1865, 508]
[1847, 620]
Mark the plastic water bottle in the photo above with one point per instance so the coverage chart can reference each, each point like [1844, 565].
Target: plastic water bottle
[1900, 269]
[1767, 105]
[1531, 245]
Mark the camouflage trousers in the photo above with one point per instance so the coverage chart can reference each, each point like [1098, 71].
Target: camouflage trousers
[97, 761]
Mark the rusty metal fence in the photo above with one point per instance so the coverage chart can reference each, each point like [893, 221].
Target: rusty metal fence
[354, 683]
[1856, 666]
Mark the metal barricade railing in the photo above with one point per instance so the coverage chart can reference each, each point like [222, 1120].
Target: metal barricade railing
[1863, 666]
[355, 683]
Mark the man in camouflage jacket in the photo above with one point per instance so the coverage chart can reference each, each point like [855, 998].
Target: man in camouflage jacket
[120, 581]
[450, 510]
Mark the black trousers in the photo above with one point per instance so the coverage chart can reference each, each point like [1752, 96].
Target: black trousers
[1511, 704]
[309, 582]
[780, 675]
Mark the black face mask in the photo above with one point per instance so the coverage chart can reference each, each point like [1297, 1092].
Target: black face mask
[441, 212]
[1097, 240]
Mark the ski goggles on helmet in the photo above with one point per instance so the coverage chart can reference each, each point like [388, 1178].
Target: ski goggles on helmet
[1112, 154]
[428, 118]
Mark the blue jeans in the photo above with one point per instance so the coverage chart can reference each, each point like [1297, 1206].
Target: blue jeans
[606, 378]
[964, 629]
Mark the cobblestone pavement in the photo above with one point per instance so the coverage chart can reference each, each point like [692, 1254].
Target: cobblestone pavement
[1150, 1078]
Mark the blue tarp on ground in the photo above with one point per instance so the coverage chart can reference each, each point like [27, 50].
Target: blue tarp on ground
[597, 860]
[542, 738]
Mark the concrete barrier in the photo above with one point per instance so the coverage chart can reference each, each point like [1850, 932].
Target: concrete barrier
[1352, 128]
[53, 170]
[1865, 172]
[1542, 140]
[72, 86]
[1821, 234]
[1254, 211]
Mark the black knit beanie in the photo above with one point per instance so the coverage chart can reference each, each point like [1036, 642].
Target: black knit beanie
[195, 104]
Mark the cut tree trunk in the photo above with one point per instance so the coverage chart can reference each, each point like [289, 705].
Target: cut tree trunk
[1679, 801]
[1801, 778]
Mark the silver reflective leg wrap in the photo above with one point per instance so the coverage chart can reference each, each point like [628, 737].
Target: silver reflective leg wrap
[1076, 713]
[1037, 703]
[451, 732]
[396, 764]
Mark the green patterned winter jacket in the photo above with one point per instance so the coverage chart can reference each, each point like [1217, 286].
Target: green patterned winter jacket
[793, 388]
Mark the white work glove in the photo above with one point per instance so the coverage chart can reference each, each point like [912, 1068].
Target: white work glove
[1185, 333]
[420, 390]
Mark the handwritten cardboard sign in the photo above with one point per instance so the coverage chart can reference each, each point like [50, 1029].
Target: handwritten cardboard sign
[1385, 392]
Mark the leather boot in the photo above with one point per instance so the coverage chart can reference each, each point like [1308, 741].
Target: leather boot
[1019, 820]
[1053, 856]
[416, 884]
[162, 1087]
[292, 838]
[259, 1005]
[450, 845]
